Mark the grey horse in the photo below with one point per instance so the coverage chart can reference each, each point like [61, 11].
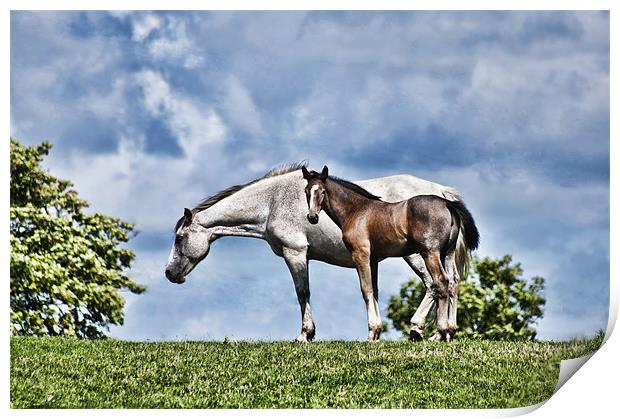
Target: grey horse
[274, 208]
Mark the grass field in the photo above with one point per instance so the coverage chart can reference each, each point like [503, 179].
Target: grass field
[67, 373]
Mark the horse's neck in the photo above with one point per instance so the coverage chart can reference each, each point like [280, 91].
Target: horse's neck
[243, 213]
[342, 202]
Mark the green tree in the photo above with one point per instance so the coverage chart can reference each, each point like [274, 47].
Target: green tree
[495, 302]
[66, 265]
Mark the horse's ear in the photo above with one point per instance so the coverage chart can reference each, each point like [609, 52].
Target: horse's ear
[187, 217]
[324, 173]
[305, 172]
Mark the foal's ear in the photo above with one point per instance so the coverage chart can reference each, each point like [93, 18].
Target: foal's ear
[305, 172]
[187, 217]
[324, 174]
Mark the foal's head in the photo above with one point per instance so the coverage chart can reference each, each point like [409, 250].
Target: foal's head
[315, 192]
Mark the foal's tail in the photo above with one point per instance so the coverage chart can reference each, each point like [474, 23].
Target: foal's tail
[472, 237]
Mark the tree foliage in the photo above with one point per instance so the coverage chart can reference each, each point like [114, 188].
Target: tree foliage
[495, 302]
[67, 266]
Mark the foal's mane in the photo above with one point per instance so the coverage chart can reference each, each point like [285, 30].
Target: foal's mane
[348, 185]
[355, 188]
[225, 193]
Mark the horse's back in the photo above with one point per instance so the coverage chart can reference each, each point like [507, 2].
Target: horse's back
[400, 187]
[288, 226]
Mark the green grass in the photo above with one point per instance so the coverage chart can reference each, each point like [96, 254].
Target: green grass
[68, 373]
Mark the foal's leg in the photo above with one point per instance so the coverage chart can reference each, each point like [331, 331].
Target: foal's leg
[364, 271]
[374, 271]
[427, 304]
[297, 263]
[440, 282]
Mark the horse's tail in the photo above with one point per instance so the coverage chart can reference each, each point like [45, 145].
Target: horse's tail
[462, 255]
[469, 231]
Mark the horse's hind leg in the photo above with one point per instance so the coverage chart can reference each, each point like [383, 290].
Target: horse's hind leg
[453, 292]
[453, 278]
[298, 265]
[418, 321]
[440, 285]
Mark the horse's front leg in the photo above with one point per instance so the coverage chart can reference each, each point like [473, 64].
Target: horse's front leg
[361, 258]
[297, 263]
[418, 320]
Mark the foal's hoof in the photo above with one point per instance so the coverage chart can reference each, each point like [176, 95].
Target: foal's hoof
[415, 335]
[436, 337]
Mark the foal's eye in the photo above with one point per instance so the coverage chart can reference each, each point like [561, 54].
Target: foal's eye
[178, 239]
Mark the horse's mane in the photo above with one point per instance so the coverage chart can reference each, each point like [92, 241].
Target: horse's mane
[225, 193]
[355, 188]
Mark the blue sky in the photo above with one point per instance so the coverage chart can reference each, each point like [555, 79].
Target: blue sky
[151, 112]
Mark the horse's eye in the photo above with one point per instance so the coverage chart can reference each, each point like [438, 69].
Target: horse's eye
[178, 239]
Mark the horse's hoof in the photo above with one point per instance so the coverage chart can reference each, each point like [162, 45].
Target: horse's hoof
[435, 338]
[415, 335]
[302, 339]
[374, 334]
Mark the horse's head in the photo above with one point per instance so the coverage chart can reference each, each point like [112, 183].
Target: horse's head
[315, 192]
[191, 245]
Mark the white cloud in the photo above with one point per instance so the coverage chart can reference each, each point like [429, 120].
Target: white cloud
[50, 66]
[306, 124]
[195, 124]
[122, 182]
[239, 107]
[120, 14]
[117, 181]
[109, 104]
[522, 97]
[174, 45]
[143, 25]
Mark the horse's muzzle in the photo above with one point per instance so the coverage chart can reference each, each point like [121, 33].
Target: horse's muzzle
[313, 218]
[173, 279]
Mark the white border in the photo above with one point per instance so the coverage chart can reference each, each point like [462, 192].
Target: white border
[311, 5]
[591, 392]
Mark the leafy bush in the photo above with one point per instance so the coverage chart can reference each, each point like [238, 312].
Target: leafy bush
[66, 265]
[495, 302]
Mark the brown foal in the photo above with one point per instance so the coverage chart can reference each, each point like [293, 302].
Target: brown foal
[374, 230]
